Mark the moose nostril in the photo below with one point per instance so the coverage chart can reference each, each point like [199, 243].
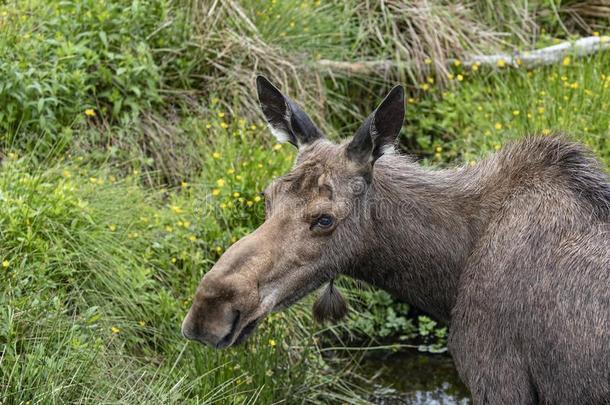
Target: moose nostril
[229, 337]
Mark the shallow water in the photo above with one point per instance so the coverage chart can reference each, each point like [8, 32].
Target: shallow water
[414, 378]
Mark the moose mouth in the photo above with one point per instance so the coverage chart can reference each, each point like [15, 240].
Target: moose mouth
[246, 331]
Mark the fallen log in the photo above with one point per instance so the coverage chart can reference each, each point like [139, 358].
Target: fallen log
[539, 57]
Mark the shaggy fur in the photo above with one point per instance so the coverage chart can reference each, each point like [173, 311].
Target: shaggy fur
[513, 253]
[330, 305]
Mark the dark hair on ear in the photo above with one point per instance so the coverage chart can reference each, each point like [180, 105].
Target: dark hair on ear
[330, 305]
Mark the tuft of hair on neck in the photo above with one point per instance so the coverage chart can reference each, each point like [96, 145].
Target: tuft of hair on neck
[330, 305]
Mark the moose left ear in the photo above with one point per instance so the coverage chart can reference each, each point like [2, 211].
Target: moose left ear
[380, 129]
[288, 122]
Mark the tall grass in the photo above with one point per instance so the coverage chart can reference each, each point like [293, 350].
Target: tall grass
[98, 273]
[139, 67]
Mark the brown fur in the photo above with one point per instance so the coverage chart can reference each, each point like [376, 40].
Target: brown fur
[513, 253]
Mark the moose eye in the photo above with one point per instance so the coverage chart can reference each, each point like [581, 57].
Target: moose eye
[324, 221]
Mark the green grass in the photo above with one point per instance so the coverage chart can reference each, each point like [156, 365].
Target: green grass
[488, 108]
[98, 273]
[133, 154]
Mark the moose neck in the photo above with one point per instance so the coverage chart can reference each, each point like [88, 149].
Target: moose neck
[424, 226]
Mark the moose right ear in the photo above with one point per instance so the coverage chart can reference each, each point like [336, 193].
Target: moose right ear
[380, 129]
[287, 121]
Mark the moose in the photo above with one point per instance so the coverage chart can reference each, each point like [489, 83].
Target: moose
[512, 253]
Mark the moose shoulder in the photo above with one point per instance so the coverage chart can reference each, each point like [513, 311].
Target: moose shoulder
[513, 253]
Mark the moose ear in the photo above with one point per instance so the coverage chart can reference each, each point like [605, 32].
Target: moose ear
[288, 122]
[379, 131]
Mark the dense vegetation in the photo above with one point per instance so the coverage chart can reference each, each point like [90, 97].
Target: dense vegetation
[132, 154]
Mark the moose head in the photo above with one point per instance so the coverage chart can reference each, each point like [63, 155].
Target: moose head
[317, 218]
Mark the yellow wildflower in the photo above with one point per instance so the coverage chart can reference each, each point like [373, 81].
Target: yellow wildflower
[574, 85]
[220, 182]
[501, 63]
[460, 78]
[430, 79]
[218, 249]
[174, 260]
[516, 112]
[272, 343]
[221, 114]
[411, 100]
[90, 112]
[238, 178]
[541, 110]
[184, 184]
[425, 86]
[192, 238]
[5, 264]
[236, 194]
[428, 61]
[450, 76]
[112, 227]
[230, 171]
[216, 155]
[176, 209]
[215, 192]
[566, 61]
[546, 131]
[257, 198]
[249, 203]
[169, 229]
[224, 125]
[498, 126]
[457, 62]
[208, 126]
[141, 322]
[115, 330]
[277, 146]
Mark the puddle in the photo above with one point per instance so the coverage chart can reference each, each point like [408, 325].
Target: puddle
[414, 378]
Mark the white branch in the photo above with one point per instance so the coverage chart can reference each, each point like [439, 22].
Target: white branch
[545, 56]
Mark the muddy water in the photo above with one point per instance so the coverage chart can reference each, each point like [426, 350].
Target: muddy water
[414, 378]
